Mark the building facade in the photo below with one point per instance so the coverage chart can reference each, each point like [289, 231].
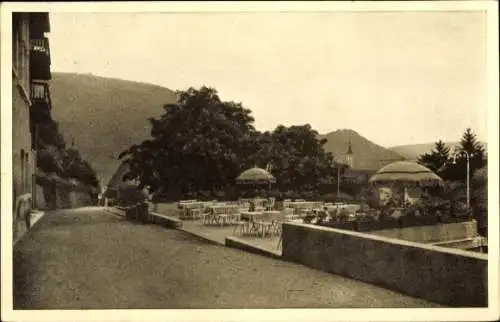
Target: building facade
[30, 90]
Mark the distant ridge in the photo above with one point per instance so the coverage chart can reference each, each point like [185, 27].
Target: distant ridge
[413, 151]
[104, 116]
[366, 154]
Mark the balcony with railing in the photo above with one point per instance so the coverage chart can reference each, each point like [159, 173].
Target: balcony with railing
[40, 58]
[39, 94]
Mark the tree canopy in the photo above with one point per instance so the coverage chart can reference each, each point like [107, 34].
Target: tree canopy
[203, 143]
[437, 158]
[453, 165]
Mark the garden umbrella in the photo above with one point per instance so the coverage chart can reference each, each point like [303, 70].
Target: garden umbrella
[406, 174]
[255, 176]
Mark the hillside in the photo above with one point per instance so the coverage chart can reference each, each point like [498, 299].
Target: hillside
[413, 151]
[366, 154]
[104, 116]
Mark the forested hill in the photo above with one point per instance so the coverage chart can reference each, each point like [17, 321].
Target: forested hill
[105, 116]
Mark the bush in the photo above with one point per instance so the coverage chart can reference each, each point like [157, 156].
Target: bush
[130, 195]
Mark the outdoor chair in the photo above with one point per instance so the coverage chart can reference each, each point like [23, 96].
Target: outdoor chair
[223, 220]
[235, 216]
[254, 226]
[265, 228]
[280, 242]
[285, 216]
[242, 225]
[207, 218]
[222, 216]
[270, 203]
[244, 206]
[195, 213]
[270, 223]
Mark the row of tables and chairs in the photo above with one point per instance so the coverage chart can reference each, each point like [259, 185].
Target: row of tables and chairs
[256, 217]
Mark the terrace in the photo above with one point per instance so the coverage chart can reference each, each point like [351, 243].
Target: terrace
[259, 221]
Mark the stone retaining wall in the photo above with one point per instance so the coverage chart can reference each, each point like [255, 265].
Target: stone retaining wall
[447, 276]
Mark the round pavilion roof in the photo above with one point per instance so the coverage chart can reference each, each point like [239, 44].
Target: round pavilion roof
[406, 172]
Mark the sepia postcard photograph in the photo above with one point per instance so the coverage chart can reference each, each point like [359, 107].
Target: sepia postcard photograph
[250, 161]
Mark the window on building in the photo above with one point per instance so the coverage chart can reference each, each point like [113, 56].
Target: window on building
[38, 91]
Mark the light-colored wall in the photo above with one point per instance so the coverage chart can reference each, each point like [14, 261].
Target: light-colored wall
[431, 233]
[447, 276]
[22, 167]
[383, 194]
[21, 140]
[40, 198]
[20, 49]
[412, 194]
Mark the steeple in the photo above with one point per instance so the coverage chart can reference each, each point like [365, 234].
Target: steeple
[349, 151]
[349, 155]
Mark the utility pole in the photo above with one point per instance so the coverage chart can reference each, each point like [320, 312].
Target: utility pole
[467, 156]
[338, 180]
[468, 182]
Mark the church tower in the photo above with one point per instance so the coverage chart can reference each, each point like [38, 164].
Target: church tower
[349, 155]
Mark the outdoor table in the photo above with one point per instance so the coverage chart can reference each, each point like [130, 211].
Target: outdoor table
[187, 203]
[272, 215]
[191, 209]
[191, 205]
[302, 204]
[251, 216]
[193, 212]
[222, 214]
[222, 208]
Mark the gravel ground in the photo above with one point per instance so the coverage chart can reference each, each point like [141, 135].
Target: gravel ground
[90, 259]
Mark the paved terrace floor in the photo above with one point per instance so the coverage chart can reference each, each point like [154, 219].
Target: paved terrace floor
[218, 235]
[89, 259]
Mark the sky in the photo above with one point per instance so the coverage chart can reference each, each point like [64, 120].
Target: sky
[394, 77]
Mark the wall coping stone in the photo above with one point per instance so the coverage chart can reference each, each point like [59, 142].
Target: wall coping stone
[394, 241]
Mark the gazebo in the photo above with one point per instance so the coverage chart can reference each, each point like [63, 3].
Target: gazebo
[411, 177]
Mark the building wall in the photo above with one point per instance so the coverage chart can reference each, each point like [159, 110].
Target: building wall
[22, 155]
[21, 49]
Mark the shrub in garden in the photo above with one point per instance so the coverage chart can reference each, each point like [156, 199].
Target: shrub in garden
[130, 195]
